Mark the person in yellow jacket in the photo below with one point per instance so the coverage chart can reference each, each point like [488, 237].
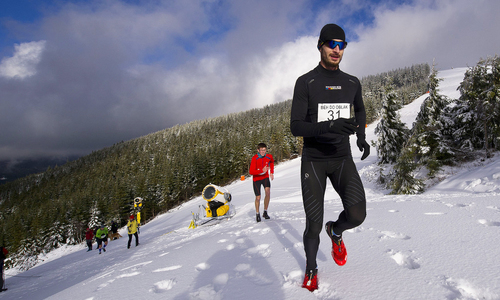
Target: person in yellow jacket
[132, 230]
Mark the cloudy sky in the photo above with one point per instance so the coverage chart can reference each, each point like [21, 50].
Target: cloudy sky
[80, 75]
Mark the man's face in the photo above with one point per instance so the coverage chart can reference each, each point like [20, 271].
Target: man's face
[262, 151]
[330, 58]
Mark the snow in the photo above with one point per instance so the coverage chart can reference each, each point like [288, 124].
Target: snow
[441, 244]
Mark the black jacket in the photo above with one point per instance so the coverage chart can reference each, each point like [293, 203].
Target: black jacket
[322, 88]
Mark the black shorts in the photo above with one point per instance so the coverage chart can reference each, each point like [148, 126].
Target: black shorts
[100, 241]
[264, 182]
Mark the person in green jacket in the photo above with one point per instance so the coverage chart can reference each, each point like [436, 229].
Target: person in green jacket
[102, 236]
[132, 230]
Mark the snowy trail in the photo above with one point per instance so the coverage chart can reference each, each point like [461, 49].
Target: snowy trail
[438, 245]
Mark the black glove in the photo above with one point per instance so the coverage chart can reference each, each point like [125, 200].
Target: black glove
[363, 146]
[343, 126]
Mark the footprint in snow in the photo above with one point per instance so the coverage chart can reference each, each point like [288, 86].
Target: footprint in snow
[488, 223]
[163, 286]
[392, 235]
[259, 251]
[202, 267]
[241, 243]
[220, 281]
[462, 289]
[211, 291]
[261, 231]
[251, 274]
[404, 259]
[293, 278]
[205, 292]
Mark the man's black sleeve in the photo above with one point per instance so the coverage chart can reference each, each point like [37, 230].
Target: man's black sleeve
[298, 124]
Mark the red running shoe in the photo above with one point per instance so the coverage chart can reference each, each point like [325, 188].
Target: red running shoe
[339, 252]
[311, 280]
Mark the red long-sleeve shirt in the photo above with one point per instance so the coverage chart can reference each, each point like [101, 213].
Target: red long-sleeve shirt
[89, 234]
[257, 164]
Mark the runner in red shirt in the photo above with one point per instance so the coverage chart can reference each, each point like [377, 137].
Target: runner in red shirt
[262, 164]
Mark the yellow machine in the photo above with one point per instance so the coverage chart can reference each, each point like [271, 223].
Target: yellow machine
[217, 208]
[138, 206]
[217, 200]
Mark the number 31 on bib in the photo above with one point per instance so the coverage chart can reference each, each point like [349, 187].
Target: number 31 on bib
[333, 111]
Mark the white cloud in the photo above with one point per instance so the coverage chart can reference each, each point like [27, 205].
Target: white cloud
[24, 61]
[455, 33]
[275, 74]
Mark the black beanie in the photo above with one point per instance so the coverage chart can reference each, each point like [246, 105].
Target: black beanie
[330, 32]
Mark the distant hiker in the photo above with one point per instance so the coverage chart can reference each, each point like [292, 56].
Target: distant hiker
[114, 227]
[132, 230]
[102, 236]
[3, 256]
[261, 165]
[89, 236]
[321, 114]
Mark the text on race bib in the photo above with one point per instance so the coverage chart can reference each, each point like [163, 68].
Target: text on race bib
[333, 111]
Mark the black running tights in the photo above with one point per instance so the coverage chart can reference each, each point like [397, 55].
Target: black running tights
[347, 183]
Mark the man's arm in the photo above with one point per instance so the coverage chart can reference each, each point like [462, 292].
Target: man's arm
[253, 167]
[298, 124]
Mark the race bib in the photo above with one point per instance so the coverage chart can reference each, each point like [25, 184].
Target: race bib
[333, 111]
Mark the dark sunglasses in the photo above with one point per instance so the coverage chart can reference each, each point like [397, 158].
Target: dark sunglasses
[332, 44]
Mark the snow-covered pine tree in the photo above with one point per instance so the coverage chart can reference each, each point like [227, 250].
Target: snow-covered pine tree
[27, 255]
[431, 141]
[477, 111]
[391, 131]
[405, 180]
[94, 216]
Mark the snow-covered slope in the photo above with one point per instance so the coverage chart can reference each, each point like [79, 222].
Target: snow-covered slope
[438, 245]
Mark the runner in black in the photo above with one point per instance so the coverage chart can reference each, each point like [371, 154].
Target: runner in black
[321, 113]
